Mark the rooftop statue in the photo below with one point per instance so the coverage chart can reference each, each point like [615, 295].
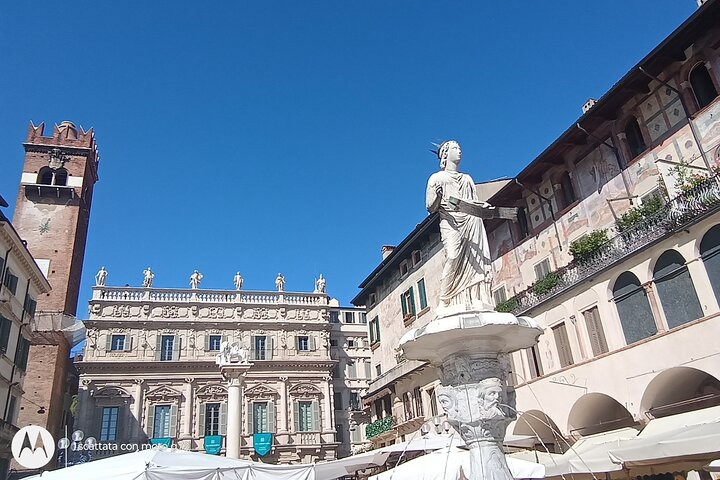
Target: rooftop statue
[101, 277]
[148, 277]
[320, 285]
[195, 279]
[280, 283]
[238, 281]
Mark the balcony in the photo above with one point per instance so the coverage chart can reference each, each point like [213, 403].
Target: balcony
[167, 295]
[688, 208]
[379, 427]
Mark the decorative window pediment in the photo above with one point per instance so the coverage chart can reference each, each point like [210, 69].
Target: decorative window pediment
[212, 392]
[261, 392]
[111, 392]
[305, 390]
[163, 393]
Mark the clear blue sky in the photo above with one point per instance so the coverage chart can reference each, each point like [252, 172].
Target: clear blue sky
[286, 136]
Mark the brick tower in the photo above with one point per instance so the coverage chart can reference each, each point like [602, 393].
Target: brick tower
[52, 214]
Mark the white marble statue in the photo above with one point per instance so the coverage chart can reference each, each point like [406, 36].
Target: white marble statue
[232, 353]
[280, 283]
[238, 281]
[320, 285]
[466, 275]
[100, 277]
[195, 279]
[148, 277]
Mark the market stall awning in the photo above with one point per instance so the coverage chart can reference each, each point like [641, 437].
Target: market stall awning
[689, 440]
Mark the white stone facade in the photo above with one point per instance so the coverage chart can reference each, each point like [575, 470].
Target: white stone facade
[149, 369]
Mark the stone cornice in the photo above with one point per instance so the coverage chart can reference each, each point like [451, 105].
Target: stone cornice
[206, 324]
[268, 366]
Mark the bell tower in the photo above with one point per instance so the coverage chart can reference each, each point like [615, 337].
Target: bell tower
[52, 213]
[53, 207]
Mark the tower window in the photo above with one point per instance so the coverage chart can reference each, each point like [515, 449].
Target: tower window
[635, 139]
[702, 85]
[48, 176]
[61, 176]
[45, 177]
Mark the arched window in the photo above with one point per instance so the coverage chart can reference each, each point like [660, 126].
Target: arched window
[635, 139]
[567, 189]
[45, 176]
[676, 290]
[702, 85]
[61, 176]
[633, 308]
[709, 250]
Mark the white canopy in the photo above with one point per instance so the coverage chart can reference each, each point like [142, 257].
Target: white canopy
[689, 439]
[447, 464]
[436, 442]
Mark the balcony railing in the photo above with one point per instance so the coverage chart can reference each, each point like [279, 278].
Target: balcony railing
[379, 427]
[683, 210]
[166, 295]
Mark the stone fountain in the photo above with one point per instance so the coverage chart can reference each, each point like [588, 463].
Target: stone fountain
[468, 341]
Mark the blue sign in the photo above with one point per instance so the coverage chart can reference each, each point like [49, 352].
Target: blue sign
[213, 444]
[262, 443]
[167, 442]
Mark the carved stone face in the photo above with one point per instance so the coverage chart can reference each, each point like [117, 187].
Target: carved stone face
[454, 154]
[491, 397]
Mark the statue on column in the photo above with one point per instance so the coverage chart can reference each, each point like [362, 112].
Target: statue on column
[148, 277]
[320, 285]
[100, 277]
[467, 273]
[238, 281]
[280, 283]
[232, 353]
[195, 279]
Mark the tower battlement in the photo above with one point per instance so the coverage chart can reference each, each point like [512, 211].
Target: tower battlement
[64, 135]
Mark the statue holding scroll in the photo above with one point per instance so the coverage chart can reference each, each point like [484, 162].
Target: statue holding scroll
[467, 274]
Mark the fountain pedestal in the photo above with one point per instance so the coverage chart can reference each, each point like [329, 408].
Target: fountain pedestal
[470, 350]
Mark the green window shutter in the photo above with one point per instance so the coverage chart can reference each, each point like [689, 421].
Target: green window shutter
[422, 293]
[297, 343]
[108, 343]
[311, 342]
[223, 418]
[371, 330]
[150, 421]
[207, 342]
[412, 301]
[5, 326]
[201, 429]
[158, 347]
[316, 416]
[296, 415]
[128, 343]
[404, 306]
[271, 417]
[173, 421]
[251, 418]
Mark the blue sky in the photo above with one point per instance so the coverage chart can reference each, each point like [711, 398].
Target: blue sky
[279, 136]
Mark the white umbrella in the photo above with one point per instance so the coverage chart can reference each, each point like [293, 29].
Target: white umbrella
[447, 463]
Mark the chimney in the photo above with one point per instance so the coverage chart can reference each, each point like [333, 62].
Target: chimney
[387, 250]
[588, 105]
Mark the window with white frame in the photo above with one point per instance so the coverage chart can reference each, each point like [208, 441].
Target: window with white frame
[108, 427]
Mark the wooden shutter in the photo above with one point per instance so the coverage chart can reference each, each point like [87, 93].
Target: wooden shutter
[271, 417]
[150, 421]
[207, 342]
[128, 343]
[296, 415]
[269, 344]
[177, 341]
[368, 369]
[316, 416]
[352, 369]
[563, 345]
[311, 342]
[403, 303]
[223, 418]
[5, 326]
[250, 417]
[411, 293]
[173, 421]
[108, 343]
[158, 347]
[595, 331]
[201, 430]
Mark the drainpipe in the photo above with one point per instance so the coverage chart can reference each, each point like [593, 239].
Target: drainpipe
[552, 213]
[687, 114]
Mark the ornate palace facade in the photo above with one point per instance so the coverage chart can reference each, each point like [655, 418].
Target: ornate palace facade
[149, 370]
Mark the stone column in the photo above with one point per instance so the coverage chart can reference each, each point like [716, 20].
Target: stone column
[327, 404]
[137, 432]
[188, 418]
[282, 413]
[234, 374]
[658, 313]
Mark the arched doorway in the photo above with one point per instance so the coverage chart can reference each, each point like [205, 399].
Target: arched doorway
[679, 390]
[537, 424]
[676, 289]
[709, 250]
[633, 308]
[597, 413]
